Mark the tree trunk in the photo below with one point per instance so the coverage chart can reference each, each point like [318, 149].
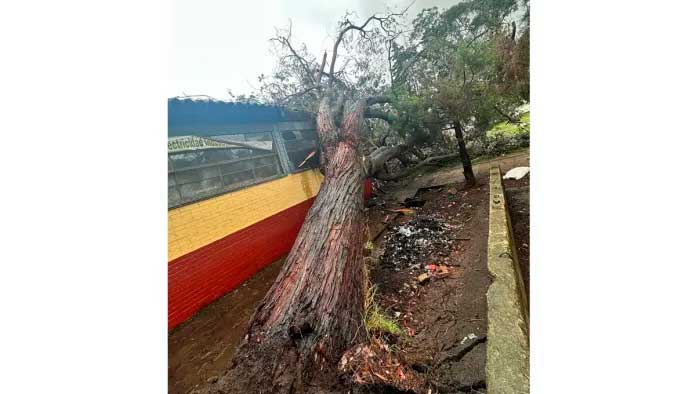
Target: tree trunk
[464, 155]
[313, 311]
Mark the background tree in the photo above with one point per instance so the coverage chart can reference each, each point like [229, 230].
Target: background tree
[467, 63]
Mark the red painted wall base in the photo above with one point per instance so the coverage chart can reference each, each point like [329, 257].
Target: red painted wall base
[198, 278]
[202, 276]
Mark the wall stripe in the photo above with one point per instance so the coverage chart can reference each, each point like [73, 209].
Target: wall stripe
[196, 225]
[200, 277]
[223, 241]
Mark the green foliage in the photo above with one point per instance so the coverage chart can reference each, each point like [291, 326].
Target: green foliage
[467, 62]
[524, 118]
[416, 115]
[508, 129]
[503, 137]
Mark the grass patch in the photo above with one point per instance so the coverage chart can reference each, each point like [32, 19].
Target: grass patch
[375, 321]
[507, 129]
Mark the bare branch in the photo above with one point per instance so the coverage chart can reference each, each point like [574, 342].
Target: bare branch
[387, 117]
[285, 41]
[348, 26]
[300, 93]
[321, 69]
[508, 117]
[336, 79]
[378, 100]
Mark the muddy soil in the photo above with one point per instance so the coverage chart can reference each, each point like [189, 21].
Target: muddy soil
[444, 319]
[201, 347]
[517, 196]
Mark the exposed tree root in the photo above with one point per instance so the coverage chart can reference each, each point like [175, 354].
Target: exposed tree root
[373, 364]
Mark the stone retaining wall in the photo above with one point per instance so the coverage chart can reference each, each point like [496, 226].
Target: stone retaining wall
[507, 360]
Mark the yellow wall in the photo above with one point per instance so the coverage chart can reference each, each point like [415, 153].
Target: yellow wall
[196, 225]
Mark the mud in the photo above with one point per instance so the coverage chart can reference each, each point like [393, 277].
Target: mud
[444, 319]
[201, 348]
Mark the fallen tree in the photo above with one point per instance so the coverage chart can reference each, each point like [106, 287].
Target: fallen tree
[313, 312]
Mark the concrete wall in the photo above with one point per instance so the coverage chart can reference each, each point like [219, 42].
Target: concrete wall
[507, 360]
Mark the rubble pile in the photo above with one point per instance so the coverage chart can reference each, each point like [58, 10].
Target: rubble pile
[414, 242]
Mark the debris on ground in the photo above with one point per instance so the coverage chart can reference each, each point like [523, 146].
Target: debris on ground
[436, 291]
[517, 173]
[375, 364]
[411, 244]
[441, 272]
[468, 337]
[423, 278]
[405, 211]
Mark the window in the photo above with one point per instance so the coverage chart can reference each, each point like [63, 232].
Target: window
[299, 144]
[215, 165]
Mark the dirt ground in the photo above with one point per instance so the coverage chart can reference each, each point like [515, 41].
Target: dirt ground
[443, 319]
[201, 347]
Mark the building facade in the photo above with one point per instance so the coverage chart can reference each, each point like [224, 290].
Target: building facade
[241, 181]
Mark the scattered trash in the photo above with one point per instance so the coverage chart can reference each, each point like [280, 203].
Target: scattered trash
[517, 173]
[423, 278]
[416, 241]
[406, 231]
[212, 379]
[431, 267]
[442, 272]
[468, 337]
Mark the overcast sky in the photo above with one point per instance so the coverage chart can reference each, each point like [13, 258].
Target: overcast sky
[221, 44]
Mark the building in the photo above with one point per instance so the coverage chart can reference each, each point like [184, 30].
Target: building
[240, 185]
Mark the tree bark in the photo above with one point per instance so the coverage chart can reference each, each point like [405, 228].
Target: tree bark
[313, 311]
[469, 176]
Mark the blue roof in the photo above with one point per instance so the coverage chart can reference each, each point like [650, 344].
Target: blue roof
[209, 117]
